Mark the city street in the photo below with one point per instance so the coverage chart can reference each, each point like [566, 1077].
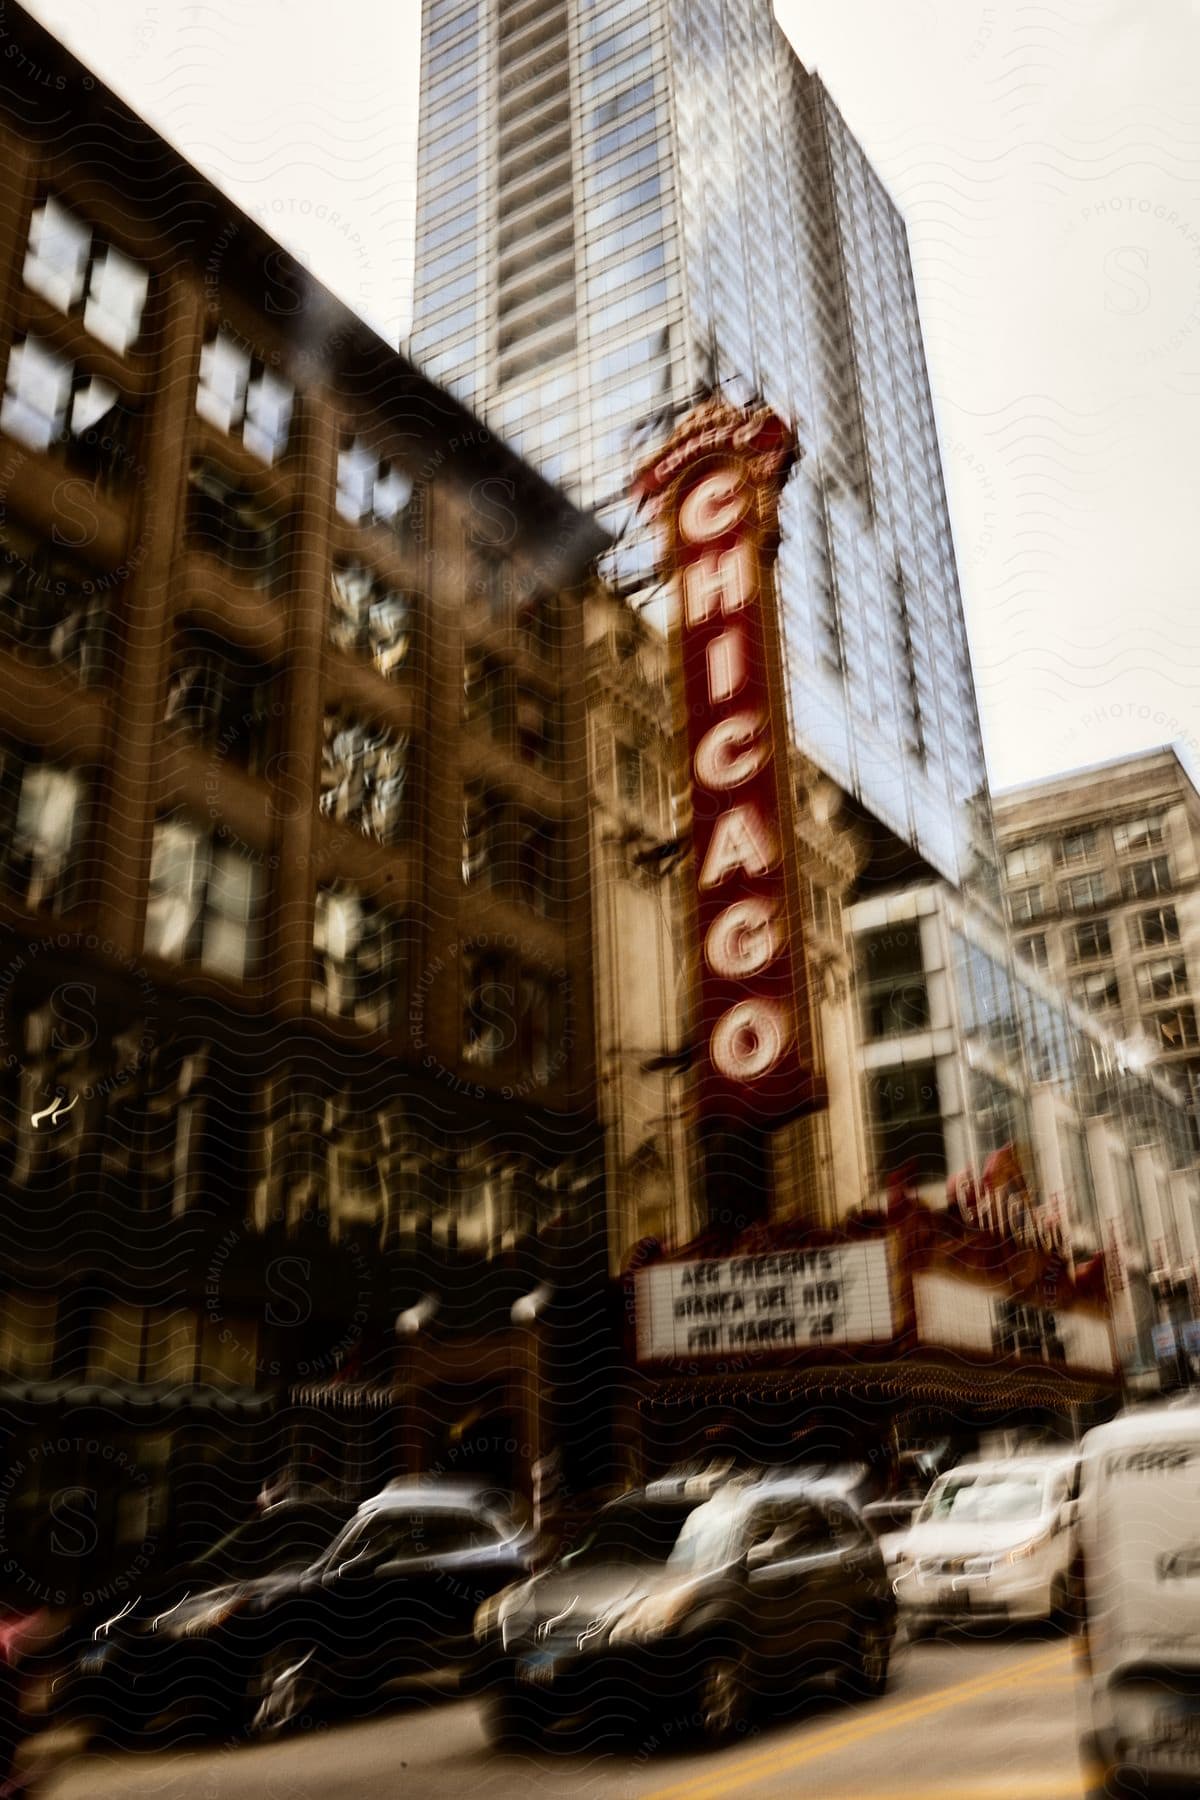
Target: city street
[967, 1718]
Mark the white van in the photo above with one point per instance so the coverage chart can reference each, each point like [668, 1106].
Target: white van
[1138, 1532]
[989, 1542]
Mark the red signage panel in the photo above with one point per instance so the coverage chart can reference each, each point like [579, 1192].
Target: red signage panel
[716, 487]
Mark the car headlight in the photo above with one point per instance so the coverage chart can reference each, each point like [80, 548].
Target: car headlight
[210, 1617]
[650, 1618]
[1030, 1549]
[487, 1618]
[493, 1614]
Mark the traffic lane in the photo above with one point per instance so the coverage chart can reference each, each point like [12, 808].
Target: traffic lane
[964, 1719]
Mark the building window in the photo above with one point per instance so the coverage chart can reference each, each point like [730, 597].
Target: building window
[1077, 1172]
[488, 694]
[1034, 950]
[67, 265]
[536, 735]
[895, 1000]
[536, 626]
[1138, 834]
[1144, 878]
[1160, 926]
[482, 824]
[370, 619]
[364, 778]
[229, 523]
[1025, 903]
[516, 716]
[639, 785]
[220, 698]
[355, 945]
[243, 398]
[48, 615]
[1027, 861]
[43, 807]
[906, 1123]
[1084, 891]
[1097, 992]
[508, 1014]
[997, 1114]
[535, 1027]
[205, 901]
[492, 582]
[489, 1024]
[513, 852]
[1162, 979]
[370, 489]
[28, 1334]
[1174, 1030]
[1078, 846]
[537, 871]
[48, 403]
[1091, 941]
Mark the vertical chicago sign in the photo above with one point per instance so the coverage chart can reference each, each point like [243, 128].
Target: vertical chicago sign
[715, 487]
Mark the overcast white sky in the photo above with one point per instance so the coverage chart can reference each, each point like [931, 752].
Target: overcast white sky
[1047, 160]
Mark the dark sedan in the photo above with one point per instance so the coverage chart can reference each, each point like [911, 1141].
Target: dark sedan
[695, 1611]
[394, 1597]
[149, 1662]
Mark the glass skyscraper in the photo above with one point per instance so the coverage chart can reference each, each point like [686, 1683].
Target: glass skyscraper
[624, 202]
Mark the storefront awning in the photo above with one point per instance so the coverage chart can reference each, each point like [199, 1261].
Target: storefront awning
[882, 1386]
[140, 1399]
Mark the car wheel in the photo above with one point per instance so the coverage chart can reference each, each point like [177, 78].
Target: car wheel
[1066, 1608]
[867, 1676]
[722, 1695]
[511, 1724]
[287, 1689]
[1104, 1780]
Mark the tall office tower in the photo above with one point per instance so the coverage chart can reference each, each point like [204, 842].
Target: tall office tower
[624, 202]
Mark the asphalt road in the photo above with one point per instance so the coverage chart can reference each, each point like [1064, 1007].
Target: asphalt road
[964, 1718]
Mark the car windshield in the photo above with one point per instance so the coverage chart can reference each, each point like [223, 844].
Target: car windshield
[630, 1534]
[985, 1499]
[706, 1539]
[397, 1534]
[292, 1537]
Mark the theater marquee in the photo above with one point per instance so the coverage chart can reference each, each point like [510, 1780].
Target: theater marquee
[788, 1301]
[716, 485]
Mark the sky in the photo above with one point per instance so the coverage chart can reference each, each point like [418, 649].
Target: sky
[1046, 158]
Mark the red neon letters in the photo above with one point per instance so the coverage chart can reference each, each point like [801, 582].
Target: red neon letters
[717, 483]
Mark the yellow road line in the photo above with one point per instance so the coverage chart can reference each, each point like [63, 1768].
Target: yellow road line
[1037, 1787]
[730, 1777]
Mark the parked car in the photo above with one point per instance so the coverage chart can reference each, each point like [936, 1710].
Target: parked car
[670, 1606]
[1138, 1530]
[992, 1541]
[394, 1596]
[151, 1654]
